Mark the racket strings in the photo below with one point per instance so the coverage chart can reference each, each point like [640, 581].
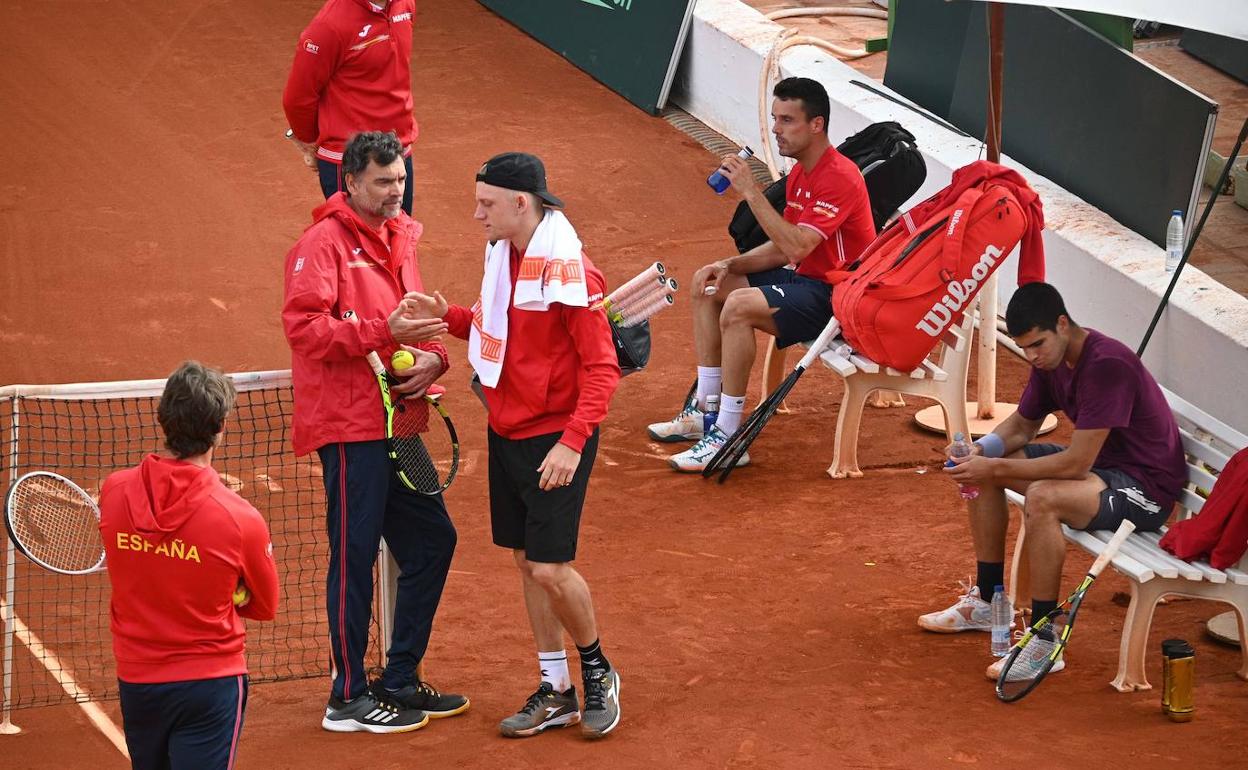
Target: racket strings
[422, 445]
[56, 524]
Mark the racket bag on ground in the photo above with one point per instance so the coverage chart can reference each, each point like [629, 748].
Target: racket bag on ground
[890, 162]
[917, 278]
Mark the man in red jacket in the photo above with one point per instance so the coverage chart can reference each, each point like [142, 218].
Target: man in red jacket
[547, 363]
[345, 280]
[352, 72]
[179, 545]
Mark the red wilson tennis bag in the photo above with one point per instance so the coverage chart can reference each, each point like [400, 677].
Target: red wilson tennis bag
[918, 277]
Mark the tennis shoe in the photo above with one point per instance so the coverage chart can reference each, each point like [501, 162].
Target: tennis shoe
[697, 457]
[968, 613]
[1030, 660]
[424, 697]
[602, 702]
[687, 426]
[369, 714]
[544, 709]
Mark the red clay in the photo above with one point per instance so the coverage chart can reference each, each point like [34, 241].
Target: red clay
[768, 622]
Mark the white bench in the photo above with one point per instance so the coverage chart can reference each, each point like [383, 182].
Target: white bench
[941, 377]
[1152, 572]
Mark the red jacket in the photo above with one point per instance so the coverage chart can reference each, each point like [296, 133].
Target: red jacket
[177, 543]
[559, 370]
[352, 72]
[339, 265]
[1220, 530]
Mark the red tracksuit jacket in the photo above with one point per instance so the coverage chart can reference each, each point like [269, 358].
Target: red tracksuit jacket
[340, 264]
[1220, 531]
[559, 370]
[177, 543]
[351, 73]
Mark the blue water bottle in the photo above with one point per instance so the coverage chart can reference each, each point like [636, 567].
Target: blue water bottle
[718, 181]
[711, 414]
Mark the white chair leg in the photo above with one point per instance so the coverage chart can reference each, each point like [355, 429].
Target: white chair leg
[845, 446]
[1131, 651]
[773, 373]
[1020, 567]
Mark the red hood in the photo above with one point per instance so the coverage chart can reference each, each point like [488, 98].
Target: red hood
[171, 492]
[336, 207]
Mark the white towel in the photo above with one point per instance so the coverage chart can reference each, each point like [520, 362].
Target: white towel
[552, 271]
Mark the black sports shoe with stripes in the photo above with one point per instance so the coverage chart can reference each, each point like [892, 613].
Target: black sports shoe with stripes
[423, 697]
[369, 714]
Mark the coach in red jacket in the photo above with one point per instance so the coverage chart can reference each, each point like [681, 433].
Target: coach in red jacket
[178, 545]
[352, 72]
[345, 279]
[542, 348]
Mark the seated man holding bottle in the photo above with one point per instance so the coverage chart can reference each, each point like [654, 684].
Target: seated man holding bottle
[1125, 460]
[826, 223]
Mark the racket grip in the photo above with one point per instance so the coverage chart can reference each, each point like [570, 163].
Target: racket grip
[1122, 533]
[831, 330]
[374, 361]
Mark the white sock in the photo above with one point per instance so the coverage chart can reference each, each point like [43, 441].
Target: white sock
[554, 667]
[731, 409]
[709, 378]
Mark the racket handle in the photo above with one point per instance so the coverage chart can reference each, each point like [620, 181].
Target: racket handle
[374, 361]
[1122, 533]
[831, 330]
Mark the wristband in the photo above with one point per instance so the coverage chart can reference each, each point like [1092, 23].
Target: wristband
[991, 445]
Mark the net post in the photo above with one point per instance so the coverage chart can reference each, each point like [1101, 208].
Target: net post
[387, 591]
[10, 588]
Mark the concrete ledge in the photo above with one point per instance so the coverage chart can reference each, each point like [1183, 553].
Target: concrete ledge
[1111, 277]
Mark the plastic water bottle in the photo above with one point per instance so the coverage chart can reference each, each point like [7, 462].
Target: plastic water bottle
[718, 181]
[1002, 616]
[711, 414]
[961, 448]
[1174, 241]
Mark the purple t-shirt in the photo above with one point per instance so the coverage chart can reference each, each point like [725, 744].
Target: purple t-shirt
[1109, 388]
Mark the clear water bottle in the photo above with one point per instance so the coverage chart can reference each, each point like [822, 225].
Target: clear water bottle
[718, 182]
[1002, 616]
[711, 414]
[961, 448]
[1174, 241]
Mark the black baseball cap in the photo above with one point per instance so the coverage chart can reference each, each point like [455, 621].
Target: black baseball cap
[518, 171]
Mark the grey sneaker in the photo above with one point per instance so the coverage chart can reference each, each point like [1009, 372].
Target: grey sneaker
[602, 702]
[544, 708]
[370, 714]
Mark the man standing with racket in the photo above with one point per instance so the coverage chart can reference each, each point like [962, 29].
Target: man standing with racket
[188, 559]
[352, 72]
[1125, 459]
[548, 366]
[826, 224]
[345, 280]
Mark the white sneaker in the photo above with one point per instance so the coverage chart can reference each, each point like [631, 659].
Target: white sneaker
[695, 458]
[1031, 659]
[970, 613]
[687, 426]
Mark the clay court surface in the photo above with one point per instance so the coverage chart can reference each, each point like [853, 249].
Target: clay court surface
[148, 203]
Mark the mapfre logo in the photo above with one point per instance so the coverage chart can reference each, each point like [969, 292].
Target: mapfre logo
[957, 293]
[311, 47]
[401, 17]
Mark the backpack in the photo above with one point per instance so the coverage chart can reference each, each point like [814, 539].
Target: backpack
[918, 277]
[890, 163]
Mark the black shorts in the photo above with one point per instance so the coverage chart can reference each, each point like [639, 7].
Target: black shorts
[1122, 498]
[523, 517]
[803, 305]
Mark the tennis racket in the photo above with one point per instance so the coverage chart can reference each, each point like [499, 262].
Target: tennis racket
[1041, 646]
[423, 449]
[731, 452]
[54, 523]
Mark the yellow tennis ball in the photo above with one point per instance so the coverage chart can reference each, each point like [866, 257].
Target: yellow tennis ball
[402, 359]
[241, 595]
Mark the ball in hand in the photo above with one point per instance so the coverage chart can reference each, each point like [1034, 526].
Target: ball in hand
[402, 359]
[241, 595]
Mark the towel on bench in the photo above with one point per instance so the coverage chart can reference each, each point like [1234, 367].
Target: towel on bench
[1220, 531]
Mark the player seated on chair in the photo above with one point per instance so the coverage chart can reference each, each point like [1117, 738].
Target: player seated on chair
[1125, 460]
[826, 223]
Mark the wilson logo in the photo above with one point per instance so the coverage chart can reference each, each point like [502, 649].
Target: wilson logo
[957, 293]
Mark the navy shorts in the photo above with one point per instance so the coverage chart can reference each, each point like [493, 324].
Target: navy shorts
[803, 305]
[523, 517]
[1122, 498]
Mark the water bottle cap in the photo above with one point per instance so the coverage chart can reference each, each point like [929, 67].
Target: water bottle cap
[959, 437]
[1176, 213]
[998, 589]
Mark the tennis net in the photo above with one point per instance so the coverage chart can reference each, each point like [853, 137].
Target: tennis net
[56, 641]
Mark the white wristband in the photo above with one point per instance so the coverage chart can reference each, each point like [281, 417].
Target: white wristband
[991, 444]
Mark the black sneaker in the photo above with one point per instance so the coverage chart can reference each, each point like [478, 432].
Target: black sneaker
[424, 697]
[370, 714]
[602, 702]
[544, 709]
